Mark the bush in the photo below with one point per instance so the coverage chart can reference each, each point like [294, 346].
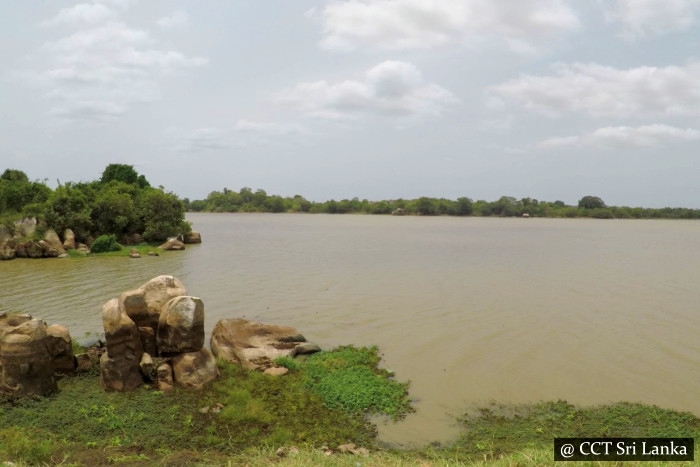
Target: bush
[105, 243]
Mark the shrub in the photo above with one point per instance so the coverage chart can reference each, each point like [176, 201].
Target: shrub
[105, 243]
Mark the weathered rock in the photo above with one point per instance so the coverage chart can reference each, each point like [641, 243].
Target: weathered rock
[193, 237]
[60, 349]
[68, 240]
[164, 377]
[148, 369]
[21, 250]
[195, 369]
[120, 365]
[276, 371]
[7, 252]
[153, 253]
[133, 239]
[122, 337]
[6, 234]
[306, 348]
[119, 374]
[48, 251]
[25, 363]
[248, 343]
[133, 253]
[52, 244]
[181, 325]
[83, 248]
[148, 339]
[144, 304]
[26, 227]
[172, 244]
[33, 249]
[83, 362]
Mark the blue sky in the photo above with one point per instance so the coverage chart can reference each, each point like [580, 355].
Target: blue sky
[548, 99]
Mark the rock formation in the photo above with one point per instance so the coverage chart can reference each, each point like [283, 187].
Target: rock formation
[30, 353]
[172, 244]
[192, 237]
[181, 325]
[256, 345]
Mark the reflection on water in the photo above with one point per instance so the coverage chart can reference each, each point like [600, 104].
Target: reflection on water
[471, 310]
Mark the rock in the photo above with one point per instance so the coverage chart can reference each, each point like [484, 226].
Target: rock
[52, 244]
[164, 377]
[83, 362]
[352, 449]
[172, 244]
[181, 325]
[133, 253]
[217, 408]
[153, 253]
[6, 234]
[148, 369]
[276, 371]
[247, 342]
[117, 374]
[133, 239]
[192, 237]
[33, 249]
[25, 363]
[7, 252]
[144, 304]
[195, 369]
[148, 339]
[120, 365]
[204, 409]
[64, 255]
[21, 250]
[60, 349]
[306, 348]
[399, 212]
[122, 337]
[26, 227]
[68, 240]
[83, 248]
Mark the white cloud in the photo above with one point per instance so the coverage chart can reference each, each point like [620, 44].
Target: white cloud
[421, 24]
[620, 136]
[640, 18]
[603, 91]
[390, 89]
[243, 133]
[101, 70]
[86, 13]
[177, 19]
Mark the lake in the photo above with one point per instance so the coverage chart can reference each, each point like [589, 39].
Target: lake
[470, 310]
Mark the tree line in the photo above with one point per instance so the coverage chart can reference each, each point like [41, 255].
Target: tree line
[247, 200]
[122, 202]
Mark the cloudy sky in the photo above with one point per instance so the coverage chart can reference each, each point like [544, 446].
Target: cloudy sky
[549, 99]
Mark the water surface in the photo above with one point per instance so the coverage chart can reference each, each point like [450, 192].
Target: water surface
[471, 310]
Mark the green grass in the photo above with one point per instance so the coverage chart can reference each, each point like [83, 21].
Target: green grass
[308, 408]
[350, 379]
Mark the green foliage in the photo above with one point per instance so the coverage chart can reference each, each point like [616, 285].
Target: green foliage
[26, 444]
[591, 202]
[348, 378]
[288, 362]
[163, 215]
[125, 174]
[105, 243]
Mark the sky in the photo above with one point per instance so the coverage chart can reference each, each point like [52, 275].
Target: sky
[376, 99]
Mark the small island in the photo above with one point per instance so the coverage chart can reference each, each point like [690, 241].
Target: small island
[120, 209]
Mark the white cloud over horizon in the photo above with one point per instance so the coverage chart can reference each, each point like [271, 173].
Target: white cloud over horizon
[423, 24]
[604, 91]
[646, 136]
[392, 89]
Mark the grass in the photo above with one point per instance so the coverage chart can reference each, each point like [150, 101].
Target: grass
[83, 425]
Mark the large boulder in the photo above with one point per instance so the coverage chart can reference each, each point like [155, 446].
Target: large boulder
[193, 237]
[32, 249]
[60, 349]
[144, 304]
[120, 365]
[25, 363]
[7, 252]
[255, 345]
[52, 244]
[172, 244]
[195, 369]
[26, 227]
[69, 240]
[181, 325]
[6, 234]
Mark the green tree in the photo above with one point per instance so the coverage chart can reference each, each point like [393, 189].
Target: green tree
[163, 215]
[591, 202]
[114, 209]
[68, 208]
[463, 207]
[124, 173]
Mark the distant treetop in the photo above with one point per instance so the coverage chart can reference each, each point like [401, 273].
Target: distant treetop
[124, 173]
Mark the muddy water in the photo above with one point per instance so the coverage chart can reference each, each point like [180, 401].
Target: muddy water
[471, 310]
